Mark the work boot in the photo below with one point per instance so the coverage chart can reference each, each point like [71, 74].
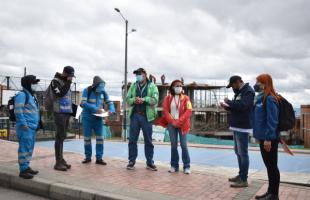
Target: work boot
[60, 166]
[234, 179]
[31, 171]
[239, 184]
[64, 162]
[101, 162]
[86, 160]
[25, 175]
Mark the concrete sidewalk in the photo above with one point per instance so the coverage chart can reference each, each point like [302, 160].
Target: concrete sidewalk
[115, 182]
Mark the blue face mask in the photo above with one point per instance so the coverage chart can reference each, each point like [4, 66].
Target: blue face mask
[139, 78]
[100, 87]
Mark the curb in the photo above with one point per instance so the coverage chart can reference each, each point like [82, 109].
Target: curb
[55, 190]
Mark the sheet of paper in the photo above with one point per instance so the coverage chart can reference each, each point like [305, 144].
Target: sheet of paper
[103, 114]
[78, 112]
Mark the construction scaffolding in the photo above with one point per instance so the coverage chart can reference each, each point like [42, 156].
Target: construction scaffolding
[208, 118]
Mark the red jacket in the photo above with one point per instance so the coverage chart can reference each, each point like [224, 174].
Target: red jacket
[185, 111]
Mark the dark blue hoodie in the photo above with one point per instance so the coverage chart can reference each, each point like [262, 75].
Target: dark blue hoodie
[241, 108]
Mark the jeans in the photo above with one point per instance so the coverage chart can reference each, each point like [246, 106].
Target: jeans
[62, 123]
[138, 122]
[271, 163]
[174, 133]
[241, 141]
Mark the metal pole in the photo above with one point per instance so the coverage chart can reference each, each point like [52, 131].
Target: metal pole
[75, 96]
[125, 85]
[75, 101]
[8, 120]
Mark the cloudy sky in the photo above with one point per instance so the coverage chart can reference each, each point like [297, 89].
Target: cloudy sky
[201, 40]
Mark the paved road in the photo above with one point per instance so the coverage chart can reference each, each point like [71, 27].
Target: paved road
[9, 194]
[200, 156]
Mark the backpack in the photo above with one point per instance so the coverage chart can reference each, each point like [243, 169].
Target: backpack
[286, 115]
[286, 120]
[49, 98]
[11, 106]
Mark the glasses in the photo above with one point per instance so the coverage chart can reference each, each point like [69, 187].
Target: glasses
[178, 86]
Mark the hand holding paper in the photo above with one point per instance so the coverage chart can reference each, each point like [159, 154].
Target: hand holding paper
[102, 113]
[224, 104]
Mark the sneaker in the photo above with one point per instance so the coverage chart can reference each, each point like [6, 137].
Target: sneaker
[66, 164]
[60, 166]
[151, 167]
[239, 184]
[101, 162]
[31, 171]
[187, 171]
[25, 175]
[86, 160]
[234, 179]
[172, 170]
[261, 196]
[131, 165]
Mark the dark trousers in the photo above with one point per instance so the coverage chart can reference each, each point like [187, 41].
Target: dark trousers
[62, 123]
[271, 163]
[138, 122]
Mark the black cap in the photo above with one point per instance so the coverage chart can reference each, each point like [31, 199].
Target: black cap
[30, 79]
[233, 80]
[69, 70]
[139, 70]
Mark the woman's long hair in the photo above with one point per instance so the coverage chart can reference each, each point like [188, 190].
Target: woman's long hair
[268, 86]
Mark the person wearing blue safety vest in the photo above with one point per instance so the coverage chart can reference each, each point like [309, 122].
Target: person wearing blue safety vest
[62, 108]
[93, 100]
[26, 110]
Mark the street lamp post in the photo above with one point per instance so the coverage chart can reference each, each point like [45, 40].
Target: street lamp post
[125, 75]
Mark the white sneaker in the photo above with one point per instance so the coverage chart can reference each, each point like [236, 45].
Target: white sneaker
[172, 170]
[187, 171]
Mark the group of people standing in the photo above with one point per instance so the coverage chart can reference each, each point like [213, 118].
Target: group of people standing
[249, 113]
[257, 114]
[58, 100]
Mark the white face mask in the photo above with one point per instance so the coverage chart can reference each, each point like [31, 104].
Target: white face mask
[34, 87]
[178, 90]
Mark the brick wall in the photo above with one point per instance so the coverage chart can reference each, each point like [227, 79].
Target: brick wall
[305, 124]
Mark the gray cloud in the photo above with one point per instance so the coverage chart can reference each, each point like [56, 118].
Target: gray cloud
[199, 40]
